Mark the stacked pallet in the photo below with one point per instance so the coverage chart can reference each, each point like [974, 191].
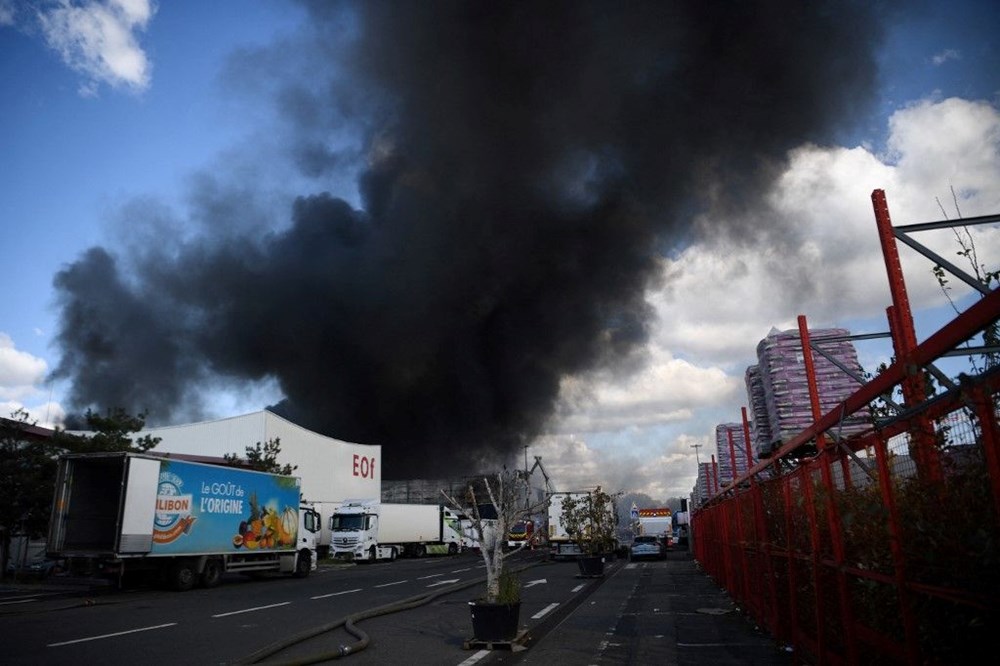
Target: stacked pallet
[739, 450]
[785, 386]
[760, 429]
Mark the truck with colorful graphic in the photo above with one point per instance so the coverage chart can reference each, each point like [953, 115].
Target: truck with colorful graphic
[372, 530]
[190, 521]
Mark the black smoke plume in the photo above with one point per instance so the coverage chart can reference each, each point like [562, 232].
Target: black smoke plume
[521, 166]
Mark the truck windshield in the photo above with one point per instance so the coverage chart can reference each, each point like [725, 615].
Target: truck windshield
[350, 522]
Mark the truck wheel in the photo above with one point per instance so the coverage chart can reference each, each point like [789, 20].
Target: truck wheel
[212, 575]
[452, 549]
[303, 564]
[392, 554]
[372, 555]
[421, 550]
[182, 576]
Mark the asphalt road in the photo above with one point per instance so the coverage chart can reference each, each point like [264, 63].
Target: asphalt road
[227, 624]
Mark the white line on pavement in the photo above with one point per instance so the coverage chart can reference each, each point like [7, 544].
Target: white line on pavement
[117, 633]
[579, 587]
[250, 610]
[398, 582]
[22, 601]
[461, 570]
[475, 658]
[540, 614]
[335, 594]
[430, 576]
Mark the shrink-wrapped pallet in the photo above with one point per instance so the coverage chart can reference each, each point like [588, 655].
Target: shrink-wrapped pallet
[726, 462]
[786, 389]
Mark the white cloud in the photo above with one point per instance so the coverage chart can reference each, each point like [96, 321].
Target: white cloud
[945, 56]
[21, 377]
[814, 251]
[98, 38]
[20, 372]
[6, 13]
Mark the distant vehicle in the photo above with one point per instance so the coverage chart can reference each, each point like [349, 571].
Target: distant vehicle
[656, 522]
[38, 568]
[371, 530]
[520, 532]
[647, 547]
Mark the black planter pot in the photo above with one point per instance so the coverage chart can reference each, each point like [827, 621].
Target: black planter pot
[494, 622]
[591, 566]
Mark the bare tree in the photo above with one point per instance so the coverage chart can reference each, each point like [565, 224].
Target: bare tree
[504, 493]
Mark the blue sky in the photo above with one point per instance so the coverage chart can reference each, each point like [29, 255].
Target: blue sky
[80, 141]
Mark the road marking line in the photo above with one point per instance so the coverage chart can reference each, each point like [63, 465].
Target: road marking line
[540, 614]
[22, 601]
[398, 582]
[334, 594]
[444, 582]
[461, 570]
[475, 658]
[579, 587]
[117, 633]
[250, 610]
[430, 576]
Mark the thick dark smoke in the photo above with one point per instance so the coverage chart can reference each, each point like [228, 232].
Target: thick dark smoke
[524, 165]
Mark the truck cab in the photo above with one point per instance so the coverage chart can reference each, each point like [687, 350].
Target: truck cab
[354, 533]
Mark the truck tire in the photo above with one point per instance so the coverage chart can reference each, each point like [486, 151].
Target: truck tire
[421, 550]
[372, 555]
[182, 575]
[303, 564]
[452, 549]
[212, 575]
[392, 554]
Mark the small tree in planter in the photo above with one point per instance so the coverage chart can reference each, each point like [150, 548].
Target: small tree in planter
[495, 616]
[592, 522]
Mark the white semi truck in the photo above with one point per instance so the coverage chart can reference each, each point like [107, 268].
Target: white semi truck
[189, 521]
[370, 530]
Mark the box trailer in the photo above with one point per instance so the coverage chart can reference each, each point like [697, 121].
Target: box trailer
[370, 530]
[190, 521]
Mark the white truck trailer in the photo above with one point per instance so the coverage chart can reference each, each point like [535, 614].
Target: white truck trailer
[370, 530]
[561, 544]
[189, 521]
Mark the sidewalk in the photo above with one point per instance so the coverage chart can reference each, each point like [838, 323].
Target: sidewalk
[655, 613]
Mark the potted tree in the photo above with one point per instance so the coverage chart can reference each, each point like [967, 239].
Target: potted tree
[592, 522]
[495, 616]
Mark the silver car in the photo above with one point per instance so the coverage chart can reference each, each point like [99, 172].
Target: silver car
[646, 547]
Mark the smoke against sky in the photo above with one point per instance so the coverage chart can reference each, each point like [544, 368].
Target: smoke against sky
[521, 170]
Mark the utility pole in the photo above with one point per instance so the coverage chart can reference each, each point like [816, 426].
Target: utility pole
[527, 480]
[696, 447]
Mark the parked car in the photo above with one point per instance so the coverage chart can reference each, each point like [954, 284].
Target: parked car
[34, 568]
[646, 547]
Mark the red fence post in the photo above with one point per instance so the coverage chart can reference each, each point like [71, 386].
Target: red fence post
[904, 340]
[826, 449]
[898, 558]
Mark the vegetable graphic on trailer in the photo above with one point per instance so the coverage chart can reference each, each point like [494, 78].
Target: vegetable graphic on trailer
[198, 507]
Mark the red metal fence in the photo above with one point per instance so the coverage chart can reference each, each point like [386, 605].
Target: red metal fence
[884, 547]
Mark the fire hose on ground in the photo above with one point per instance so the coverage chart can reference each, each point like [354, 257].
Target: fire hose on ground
[349, 623]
